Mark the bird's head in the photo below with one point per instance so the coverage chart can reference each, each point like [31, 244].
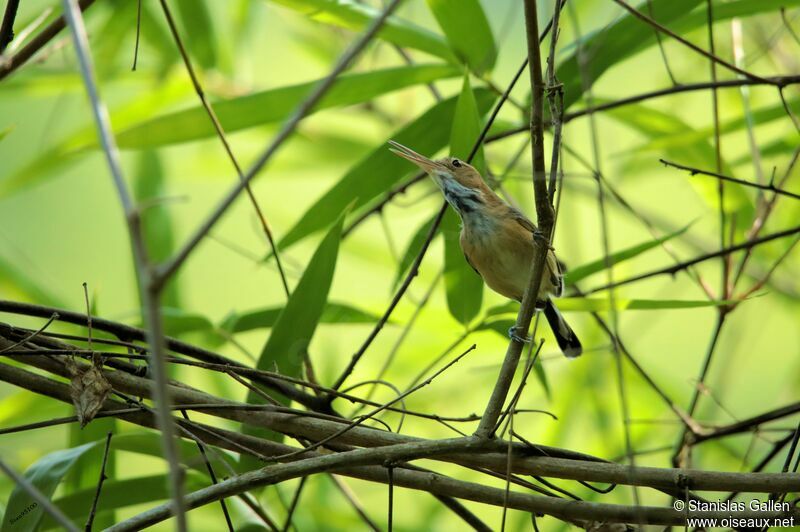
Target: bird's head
[461, 184]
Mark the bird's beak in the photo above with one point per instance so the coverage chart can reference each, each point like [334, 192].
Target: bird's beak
[423, 162]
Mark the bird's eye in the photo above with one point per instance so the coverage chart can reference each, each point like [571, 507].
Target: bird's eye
[456, 163]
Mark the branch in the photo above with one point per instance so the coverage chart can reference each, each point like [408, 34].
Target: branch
[168, 269]
[749, 244]
[545, 217]
[529, 460]
[7, 27]
[694, 171]
[10, 64]
[704, 53]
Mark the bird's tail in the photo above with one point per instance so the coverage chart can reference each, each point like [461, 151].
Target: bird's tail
[565, 336]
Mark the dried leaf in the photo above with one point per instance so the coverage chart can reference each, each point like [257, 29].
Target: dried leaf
[89, 389]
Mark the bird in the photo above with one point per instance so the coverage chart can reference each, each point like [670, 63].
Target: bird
[497, 240]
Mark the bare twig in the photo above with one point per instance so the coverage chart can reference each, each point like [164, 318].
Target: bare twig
[702, 258]
[695, 171]
[7, 27]
[710, 55]
[100, 481]
[10, 64]
[545, 217]
[220, 131]
[168, 269]
[148, 287]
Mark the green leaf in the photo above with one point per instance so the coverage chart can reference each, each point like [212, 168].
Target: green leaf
[464, 287]
[585, 304]
[118, 494]
[295, 326]
[412, 250]
[6, 131]
[16, 283]
[760, 116]
[728, 10]
[275, 105]
[266, 317]
[581, 272]
[465, 25]
[602, 49]
[381, 169]
[22, 512]
[198, 31]
[357, 16]
[149, 188]
[177, 322]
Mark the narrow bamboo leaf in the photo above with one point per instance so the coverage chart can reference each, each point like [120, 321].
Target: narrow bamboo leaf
[728, 10]
[465, 25]
[602, 49]
[23, 514]
[760, 116]
[118, 494]
[6, 131]
[584, 304]
[412, 250]
[286, 347]
[275, 105]
[265, 318]
[581, 272]
[380, 170]
[177, 322]
[198, 31]
[16, 283]
[149, 188]
[464, 287]
[356, 16]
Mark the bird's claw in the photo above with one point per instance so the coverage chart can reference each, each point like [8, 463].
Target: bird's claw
[513, 333]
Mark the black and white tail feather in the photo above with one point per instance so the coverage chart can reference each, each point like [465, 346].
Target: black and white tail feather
[565, 336]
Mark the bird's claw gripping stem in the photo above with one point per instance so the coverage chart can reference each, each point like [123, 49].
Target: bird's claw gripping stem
[514, 334]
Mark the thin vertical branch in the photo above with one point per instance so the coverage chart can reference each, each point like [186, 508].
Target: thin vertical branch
[138, 33]
[322, 88]
[545, 216]
[390, 506]
[220, 131]
[213, 476]
[10, 64]
[149, 289]
[604, 231]
[101, 480]
[7, 27]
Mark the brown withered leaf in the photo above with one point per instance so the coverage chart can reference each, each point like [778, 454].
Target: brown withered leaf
[89, 389]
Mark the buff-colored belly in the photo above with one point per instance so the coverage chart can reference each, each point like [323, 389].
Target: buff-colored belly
[503, 259]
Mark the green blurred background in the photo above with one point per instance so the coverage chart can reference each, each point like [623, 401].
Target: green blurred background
[61, 225]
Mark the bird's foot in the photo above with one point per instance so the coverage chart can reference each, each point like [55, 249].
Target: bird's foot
[515, 334]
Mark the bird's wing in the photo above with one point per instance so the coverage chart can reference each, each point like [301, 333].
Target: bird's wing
[522, 220]
[553, 267]
[471, 265]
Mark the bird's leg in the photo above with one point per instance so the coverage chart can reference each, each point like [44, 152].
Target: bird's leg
[515, 333]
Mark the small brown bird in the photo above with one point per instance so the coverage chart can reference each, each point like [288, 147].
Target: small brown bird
[497, 239]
